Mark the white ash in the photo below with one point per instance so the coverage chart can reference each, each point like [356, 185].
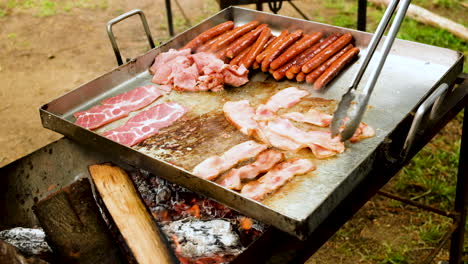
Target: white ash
[30, 241]
[205, 238]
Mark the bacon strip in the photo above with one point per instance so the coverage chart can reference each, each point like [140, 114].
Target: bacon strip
[362, 132]
[313, 116]
[215, 165]
[146, 124]
[240, 114]
[276, 178]
[265, 161]
[278, 141]
[117, 107]
[310, 139]
[282, 99]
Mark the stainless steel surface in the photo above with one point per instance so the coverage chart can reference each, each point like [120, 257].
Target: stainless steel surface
[422, 110]
[411, 73]
[116, 20]
[355, 116]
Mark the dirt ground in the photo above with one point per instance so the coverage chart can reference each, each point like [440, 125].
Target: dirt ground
[45, 56]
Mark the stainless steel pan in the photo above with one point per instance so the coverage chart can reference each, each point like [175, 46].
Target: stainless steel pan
[411, 74]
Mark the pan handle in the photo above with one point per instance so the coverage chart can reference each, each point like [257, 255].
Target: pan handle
[120, 18]
[433, 102]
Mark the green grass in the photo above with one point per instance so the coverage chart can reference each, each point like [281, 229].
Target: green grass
[410, 29]
[431, 175]
[394, 256]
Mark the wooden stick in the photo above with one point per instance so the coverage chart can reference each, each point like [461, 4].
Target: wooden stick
[427, 17]
[74, 226]
[129, 214]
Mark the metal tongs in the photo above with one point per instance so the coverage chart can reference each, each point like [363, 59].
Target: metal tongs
[340, 118]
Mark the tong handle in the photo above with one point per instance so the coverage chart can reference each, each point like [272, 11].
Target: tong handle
[375, 42]
[124, 16]
[363, 99]
[433, 100]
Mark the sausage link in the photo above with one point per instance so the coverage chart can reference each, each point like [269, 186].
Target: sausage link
[233, 35]
[327, 53]
[300, 77]
[258, 46]
[308, 54]
[285, 70]
[207, 45]
[296, 49]
[311, 77]
[280, 47]
[262, 55]
[237, 46]
[240, 56]
[255, 65]
[281, 72]
[335, 68]
[209, 34]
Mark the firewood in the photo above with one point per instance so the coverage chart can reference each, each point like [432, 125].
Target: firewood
[130, 215]
[74, 227]
[427, 17]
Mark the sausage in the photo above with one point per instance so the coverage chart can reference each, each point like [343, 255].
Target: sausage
[281, 72]
[237, 46]
[258, 46]
[311, 77]
[255, 65]
[262, 55]
[207, 45]
[236, 60]
[327, 53]
[281, 45]
[209, 34]
[335, 68]
[296, 49]
[308, 54]
[300, 77]
[233, 35]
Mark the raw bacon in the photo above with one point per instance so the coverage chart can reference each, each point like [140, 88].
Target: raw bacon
[276, 178]
[215, 165]
[196, 72]
[362, 132]
[279, 141]
[146, 124]
[162, 68]
[117, 107]
[311, 139]
[313, 116]
[240, 114]
[265, 161]
[282, 99]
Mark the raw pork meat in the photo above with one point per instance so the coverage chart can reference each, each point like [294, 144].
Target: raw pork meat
[146, 124]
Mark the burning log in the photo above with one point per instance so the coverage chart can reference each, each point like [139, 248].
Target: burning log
[187, 218]
[74, 226]
[129, 214]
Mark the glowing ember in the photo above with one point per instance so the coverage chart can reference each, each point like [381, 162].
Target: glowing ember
[201, 231]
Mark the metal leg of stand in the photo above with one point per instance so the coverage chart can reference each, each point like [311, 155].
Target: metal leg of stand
[169, 17]
[456, 245]
[259, 5]
[361, 15]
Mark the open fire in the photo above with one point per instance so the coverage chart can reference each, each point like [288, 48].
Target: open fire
[200, 230]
